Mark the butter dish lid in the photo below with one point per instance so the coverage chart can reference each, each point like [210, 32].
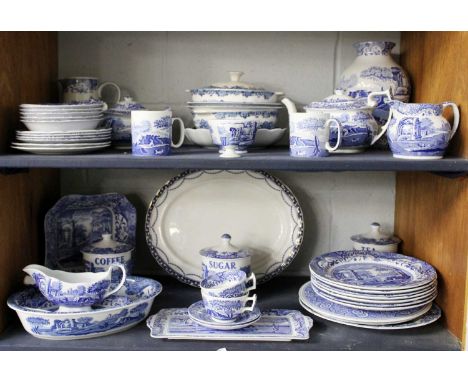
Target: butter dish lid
[375, 236]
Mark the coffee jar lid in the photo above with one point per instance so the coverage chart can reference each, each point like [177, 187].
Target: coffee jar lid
[375, 236]
[107, 245]
[224, 250]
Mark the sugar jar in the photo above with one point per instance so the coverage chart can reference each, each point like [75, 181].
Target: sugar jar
[224, 257]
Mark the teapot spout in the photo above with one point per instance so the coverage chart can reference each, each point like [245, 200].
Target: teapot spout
[290, 106]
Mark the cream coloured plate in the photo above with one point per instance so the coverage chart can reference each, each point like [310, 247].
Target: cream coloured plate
[195, 208]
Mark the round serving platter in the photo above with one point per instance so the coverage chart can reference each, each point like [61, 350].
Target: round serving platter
[195, 208]
[371, 271]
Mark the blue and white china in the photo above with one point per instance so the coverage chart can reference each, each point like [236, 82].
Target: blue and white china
[228, 284]
[419, 130]
[233, 91]
[74, 291]
[224, 257]
[259, 211]
[82, 89]
[152, 132]
[198, 313]
[375, 70]
[224, 309]
[61, 125]
[263, 137]
[87, 136]
[274, 325]
[101, 255]
[360, 129]
[263, 119]
[371, 270]
[119, 312]
[61, 148]
[77, 220]
[334, 311]
[309, 134]
[228, 135]
[119, 119]
[376, 240]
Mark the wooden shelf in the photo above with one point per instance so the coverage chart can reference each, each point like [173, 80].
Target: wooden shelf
[278, 293]
[267, 159]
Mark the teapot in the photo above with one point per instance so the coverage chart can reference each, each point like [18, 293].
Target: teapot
[354, 118]
[419, 130]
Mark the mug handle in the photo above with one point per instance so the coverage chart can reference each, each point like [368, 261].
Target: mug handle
[370, 97]
[456, 116]
[254, 282]
[250, 308]
[122, 281]
[340, 132]
[383, 128]
[182, 133]
[114, 85]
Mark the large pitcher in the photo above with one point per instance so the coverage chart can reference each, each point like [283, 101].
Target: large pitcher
[419, 130]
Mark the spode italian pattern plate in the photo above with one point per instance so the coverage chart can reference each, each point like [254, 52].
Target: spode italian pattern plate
[195, 208]
[362, 270]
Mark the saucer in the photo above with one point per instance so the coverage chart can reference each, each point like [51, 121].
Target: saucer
[199, 314]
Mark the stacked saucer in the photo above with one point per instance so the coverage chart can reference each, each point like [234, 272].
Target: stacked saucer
[378, 290]
[62, 128]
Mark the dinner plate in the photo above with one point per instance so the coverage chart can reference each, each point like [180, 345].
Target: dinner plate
[371, 270]
[62, 106]
[383, 298]
[36, 118]
[427, 318]
[70, 133]
[195, 208]
[60, 140]
[49, 126]
[60, 150]
[358, 316]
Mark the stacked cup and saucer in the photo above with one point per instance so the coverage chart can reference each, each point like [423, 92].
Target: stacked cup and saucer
[226, 285]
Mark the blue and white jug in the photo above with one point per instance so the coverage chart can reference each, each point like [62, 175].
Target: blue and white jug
[419, 130]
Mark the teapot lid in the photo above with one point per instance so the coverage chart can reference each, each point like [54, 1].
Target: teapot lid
[225, 250]
[375, 236]
[126, 106]
[107, 245]
[339, 101]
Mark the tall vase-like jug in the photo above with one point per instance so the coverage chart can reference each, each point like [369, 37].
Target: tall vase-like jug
[375, 70]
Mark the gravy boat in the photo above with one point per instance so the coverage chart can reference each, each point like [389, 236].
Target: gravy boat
[74, 291]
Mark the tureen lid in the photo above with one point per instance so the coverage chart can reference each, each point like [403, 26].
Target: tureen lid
[235, 82]
[225, 250]
[340, 101]
[126, 106]
[107, 245]
[375, 236]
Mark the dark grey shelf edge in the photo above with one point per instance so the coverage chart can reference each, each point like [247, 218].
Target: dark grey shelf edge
[268, 159]
[278, 293]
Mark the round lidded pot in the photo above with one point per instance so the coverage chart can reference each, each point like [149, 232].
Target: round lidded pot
[224, 257]
[376, 240]
[100, 255]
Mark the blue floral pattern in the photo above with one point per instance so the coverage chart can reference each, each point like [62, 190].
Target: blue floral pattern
[152, 138]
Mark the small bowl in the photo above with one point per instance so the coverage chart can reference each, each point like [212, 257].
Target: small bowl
[74, 291]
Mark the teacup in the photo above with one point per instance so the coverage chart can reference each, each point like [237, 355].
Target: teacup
[83, 89]
[152, 132]
[310, 135]
[228, 284]
[227, 309]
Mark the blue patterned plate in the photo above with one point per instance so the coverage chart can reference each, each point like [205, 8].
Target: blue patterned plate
[371, 270]
[338, 312]
[198, 313]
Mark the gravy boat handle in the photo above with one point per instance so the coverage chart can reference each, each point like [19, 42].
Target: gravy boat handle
[122, 281]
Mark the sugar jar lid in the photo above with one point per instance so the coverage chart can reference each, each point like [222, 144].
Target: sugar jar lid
[225, 250]
[107, 245]
[375, 236]
[339, 100]
[126, 106]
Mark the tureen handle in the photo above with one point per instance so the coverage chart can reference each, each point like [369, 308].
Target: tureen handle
[371, 97]
[122, 281]
[235, 76]
[384, 128]
[456, 116]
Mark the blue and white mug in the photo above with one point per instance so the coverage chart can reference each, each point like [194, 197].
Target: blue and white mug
[228, 284]
[152, 132]
[228, 309]
[309, 135]
[84, 89]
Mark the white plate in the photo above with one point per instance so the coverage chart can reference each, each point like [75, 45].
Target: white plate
[427, 318]
[72, 133]
[195, 208]
[63, 145]
[358, 316]
[60, 113]
[35, 118]
[63, 125]
[55, 140]
[61, 150]
[263, 137]
[62, 106]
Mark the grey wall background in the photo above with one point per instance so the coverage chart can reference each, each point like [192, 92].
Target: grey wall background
[157, 67]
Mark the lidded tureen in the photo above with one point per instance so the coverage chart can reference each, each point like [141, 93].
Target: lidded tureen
[376, 240]
[100, 255]
[224, 257]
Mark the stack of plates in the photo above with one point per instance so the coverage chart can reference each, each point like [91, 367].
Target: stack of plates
[62, 128]
[371, 289]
